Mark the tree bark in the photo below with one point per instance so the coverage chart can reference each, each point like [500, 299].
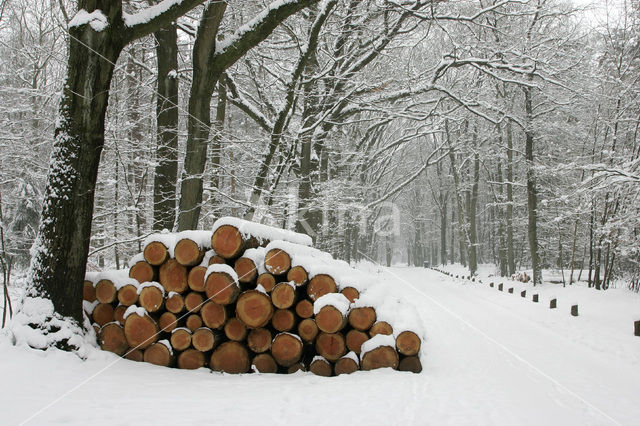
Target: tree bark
[532, 192]
[509, 210]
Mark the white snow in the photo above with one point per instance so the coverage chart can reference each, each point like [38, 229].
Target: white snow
[201, 238]
[257, 257]
[92, 276]
[352, 355]
[135, 259]
[167, 344]
[95, 19]
[119, 278]
[375, 342]
[88, 307]
[262, 232]
[146, 15]
[151, 284]
[294, 250]
[133, 309]
[181, 328]
[337, 300]
[165, 237]
[207, 256]
[221, 267]
[319, 358]
[261, 289]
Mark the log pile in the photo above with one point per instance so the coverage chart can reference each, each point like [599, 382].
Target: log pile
[243, 297]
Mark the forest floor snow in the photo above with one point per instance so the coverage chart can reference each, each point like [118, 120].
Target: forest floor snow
[490, 358]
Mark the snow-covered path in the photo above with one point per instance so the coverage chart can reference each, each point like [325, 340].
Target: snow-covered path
[491, 358]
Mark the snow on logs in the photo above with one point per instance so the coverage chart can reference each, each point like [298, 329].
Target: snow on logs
[247, 297]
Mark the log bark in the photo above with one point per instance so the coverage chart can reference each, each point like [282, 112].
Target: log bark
[103, 313]
[173, 276]
[408, 343]
[330, 320]
[320, 285]
[264, 363]
[191, 359]
[142, 272]
[112, 339]
[254, 309]
[246, 270]
[277, 262]
[187, 252]
[194, 322]
[213, 315]
[308, 330]
[156, 253]
[355, 339]
[267, 281]
[158, 354]
[204, 339]
[304, 309]
[410, 363]
[362, 318]
[235, 330]
[259, 340]
[298, 275]
[180, 339]
[151, 299]
[221, 288]
[105, 291]
[283, 320]
[195, 278]
[345, 365]
[88, 291]
[283, 296]
[286, 349]
[168, 322]
[350, 293]
[128, 295]
[174, 303]
[140, 331]
[380, 357]
[193, 302]
[230, 357]
[381, 327]
[321, 367]
[331, 346]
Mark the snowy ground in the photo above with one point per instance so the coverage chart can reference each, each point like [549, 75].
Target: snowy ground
[491, 358]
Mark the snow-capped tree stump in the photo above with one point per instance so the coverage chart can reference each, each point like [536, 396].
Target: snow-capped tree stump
[103, 313]
[235, 330]
[283, 320]
[203, 339]
[156, 253]
[308, 330]
[267, 281]
[142, 272]
[332, 346]
[380, 357]
[362, 318]
[173, 276]
[191, 359]
[230, 357]
[229, 243]
[330, 320]
[187, 252]
[112, 339]
[193, 302]
[381, 327]
[128, 295]
[221, 288]
[174, 303]
[574, 310]
[321, 367]
[195, 278]
[151, 299]
[140, 330]
[259, 340]
[408, 343]
[88, 291]
[264, 363]
[283, 296]
[246, 270]
[350, 293]
[180, 339]
[304, 308]
[105, 291]
[213, 315]
[320, 285]
[254, 309]
[346, 365]
[410, 363]
[168, 322]
[298, 275]
[277, 261]
[193, 322]
[286, 349]
[354, 340]
[158, 354]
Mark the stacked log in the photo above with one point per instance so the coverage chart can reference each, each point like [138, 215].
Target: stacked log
[244, 297]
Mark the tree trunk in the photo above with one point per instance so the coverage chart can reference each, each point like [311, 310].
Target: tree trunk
[509, 211]
[473, 202]
[532, 192]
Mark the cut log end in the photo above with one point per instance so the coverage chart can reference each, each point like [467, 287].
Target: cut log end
[195, 278]
[259, 340]
[155, 253]
[283, 296]
[175, 303]
[168, 322]
[283, 320]
[203, 339]
[227, 242]
[267, 281]
[410, 363]
[277, 261]
[362, 318]
[128, 295]
[140, 331]
[88, 291]
[330, 320]
[151, 298]
[381, 327]
[264, 363]
[187, 252]
[408, 343]
[380, 357]
[320, 285]
[193, 302]
[112, 339]
[345, 365]
[355, 339]
[103, 313]
[221, 288]
[331, 346]
[134, 355]
[173, 276]
[350, 293]
[191, 359]
[321, 367]
[194, 322]
[105, 291]
[246, 270]
[142, 272]
[286, 349]
[254, 309]
[235, 330]
[296, 367]
[158, 354]
[180, 339]
[298, 275]
[217, 260]
[213, 315]
[230, 357]
[118, 314]
[308, 330]
[304, 309]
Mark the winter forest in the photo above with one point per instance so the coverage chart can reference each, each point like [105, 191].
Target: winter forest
[501, 132]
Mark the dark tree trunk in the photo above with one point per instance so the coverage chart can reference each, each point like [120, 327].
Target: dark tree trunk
[473, 202]
[509, 210]
[532, 192]
[166, 173]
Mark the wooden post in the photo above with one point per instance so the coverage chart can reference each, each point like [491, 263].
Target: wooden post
[510, 290]
[491, 285]
[535, 298]
[553, 304]
[523, 293]
[636, 328]
[500, 286]
[574, 310]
